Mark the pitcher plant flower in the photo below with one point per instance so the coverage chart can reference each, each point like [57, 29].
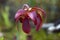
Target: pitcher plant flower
[27, 14]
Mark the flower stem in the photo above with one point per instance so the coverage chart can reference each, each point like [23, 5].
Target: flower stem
[29, 37]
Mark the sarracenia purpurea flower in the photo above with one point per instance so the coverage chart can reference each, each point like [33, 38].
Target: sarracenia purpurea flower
[26, 14]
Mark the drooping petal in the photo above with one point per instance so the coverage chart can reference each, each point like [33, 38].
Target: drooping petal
[39, 9]
[18, 14]
[33, 16]
[39, 23]
[26, 26]
[43, 12]
[38, 19]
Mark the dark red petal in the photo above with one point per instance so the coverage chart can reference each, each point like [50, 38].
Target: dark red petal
[40, 9]
[39, 18]
[33, 16]
[18, 14]
[39, 23]
[43, 12]
[26, 26]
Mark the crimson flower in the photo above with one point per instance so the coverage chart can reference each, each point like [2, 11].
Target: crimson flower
[26, 14]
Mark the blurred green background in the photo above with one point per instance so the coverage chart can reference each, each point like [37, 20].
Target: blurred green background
[8, 8]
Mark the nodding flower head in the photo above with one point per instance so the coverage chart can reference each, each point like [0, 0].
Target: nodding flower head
[26, 14]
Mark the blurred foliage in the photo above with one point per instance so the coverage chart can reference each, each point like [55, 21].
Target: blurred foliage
[8, 9]
[2, 38]
[5, 15]
[32, 3]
